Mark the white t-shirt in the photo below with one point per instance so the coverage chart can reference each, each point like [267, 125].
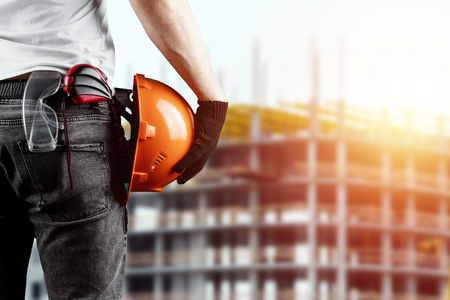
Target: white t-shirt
[54, 35]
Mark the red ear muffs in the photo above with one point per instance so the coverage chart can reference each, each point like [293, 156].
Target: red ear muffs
[85, 83]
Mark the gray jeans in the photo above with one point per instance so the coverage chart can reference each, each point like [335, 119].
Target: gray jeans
[80, 233]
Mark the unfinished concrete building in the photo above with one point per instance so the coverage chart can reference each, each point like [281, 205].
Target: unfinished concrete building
[302, 202]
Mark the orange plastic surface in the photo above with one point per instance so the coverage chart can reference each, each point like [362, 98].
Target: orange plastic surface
[166, 133]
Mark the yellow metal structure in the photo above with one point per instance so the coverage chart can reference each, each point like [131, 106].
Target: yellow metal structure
[293, 119]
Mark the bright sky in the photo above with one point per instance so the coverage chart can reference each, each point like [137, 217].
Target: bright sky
[395, 51]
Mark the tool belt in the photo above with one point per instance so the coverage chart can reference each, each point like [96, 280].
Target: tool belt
[45, 94]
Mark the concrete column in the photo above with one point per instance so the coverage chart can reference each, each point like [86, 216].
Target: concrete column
[312, 158]
[255, 136]
[386, 249]
[226, 289]
[341, 205]
[159, 250]
[312, 210]
[196, 286]
[385, 208]
[386, 235]
[158, 287]
[254, 158]
[341, 241]
[178, 287]
[411, 287]
[253, 241]
[202, 205]
[410, 210]
[386, 287]
[160, 209]
[253, 276]
[159, 257]
[341, 158]
[197, 245]
[312, 239]
[412, 251]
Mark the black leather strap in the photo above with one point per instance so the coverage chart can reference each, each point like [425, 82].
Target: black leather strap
[12, 89]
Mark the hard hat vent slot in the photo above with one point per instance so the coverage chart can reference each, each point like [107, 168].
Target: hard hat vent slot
[159, 159]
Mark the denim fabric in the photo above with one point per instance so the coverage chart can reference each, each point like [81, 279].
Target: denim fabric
[80, 233]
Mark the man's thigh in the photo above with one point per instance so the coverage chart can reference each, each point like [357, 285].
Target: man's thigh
[16, 231]
[83, 258]
[16, 240]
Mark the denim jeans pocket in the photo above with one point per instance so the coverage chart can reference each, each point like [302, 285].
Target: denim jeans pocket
[49, 173]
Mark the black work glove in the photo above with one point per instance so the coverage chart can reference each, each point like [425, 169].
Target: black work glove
[208, 122]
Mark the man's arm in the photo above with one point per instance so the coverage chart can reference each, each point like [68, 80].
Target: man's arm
[171, 26]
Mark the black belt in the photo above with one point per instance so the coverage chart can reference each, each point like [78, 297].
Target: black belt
[12, 89]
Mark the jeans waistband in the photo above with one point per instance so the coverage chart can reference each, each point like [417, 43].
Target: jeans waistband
[12, 89]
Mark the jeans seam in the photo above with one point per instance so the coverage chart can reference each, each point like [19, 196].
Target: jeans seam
[107, 185]
[100, 146]
[100, 212]
[97, 146]
[96, 117]
[10, 102]
[33, 179]
[15, 122]
[64, 219]
[125, 220]
[87, 118]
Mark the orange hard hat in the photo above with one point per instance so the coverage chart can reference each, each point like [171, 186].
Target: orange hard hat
[162, 132]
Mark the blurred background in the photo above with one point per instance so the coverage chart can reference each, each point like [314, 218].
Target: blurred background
[331, 179]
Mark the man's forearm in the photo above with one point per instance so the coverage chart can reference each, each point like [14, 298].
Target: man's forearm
[172, 27]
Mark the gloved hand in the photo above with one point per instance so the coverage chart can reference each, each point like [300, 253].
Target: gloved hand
[208, 122]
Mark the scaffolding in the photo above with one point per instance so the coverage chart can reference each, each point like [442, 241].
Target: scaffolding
[357, 210]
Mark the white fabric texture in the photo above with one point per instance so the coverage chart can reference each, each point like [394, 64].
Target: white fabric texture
[54, 35]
